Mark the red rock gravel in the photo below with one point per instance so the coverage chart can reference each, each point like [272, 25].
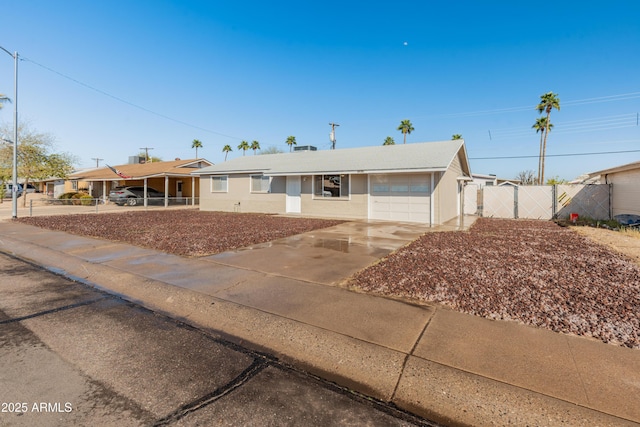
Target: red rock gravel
[185, 232]
[534, 272]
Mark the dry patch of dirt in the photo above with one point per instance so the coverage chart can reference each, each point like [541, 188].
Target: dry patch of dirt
[534, 272]
[624, 242]
[187, 232]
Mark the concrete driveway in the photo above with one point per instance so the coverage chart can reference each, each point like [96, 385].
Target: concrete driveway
[327, 256]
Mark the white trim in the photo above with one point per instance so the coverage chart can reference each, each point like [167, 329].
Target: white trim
[432, 213]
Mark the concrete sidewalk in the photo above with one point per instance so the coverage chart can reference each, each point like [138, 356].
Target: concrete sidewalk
[283, 297]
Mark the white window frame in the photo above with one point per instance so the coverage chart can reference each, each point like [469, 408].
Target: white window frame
[221, 178]
[263, 179]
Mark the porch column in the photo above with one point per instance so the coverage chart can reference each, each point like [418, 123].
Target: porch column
[105, 195]
[145, 194]
[193, 191]
[166, 191]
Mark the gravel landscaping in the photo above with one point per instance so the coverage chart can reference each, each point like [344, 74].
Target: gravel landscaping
[187, 232]
[534, 272]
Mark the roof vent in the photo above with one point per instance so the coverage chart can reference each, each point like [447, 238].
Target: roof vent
[305, 148]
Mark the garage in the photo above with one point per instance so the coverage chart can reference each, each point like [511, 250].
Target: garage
[400, 197]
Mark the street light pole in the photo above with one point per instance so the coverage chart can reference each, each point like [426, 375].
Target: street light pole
[14, 190]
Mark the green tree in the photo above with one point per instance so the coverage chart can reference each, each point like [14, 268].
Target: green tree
[291, 141]
[548, 102]
[226, 149]
[456, 136]
[556, 180]
[196, 144]
[151, 159]
[36, 161]
[406, 128]
[541, 126]
[389, 141]
[255, 145]
[244, 146]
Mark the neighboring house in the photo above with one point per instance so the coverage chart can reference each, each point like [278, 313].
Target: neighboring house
[482, 180]
[173, 178]
[625, 189]
[405, 182]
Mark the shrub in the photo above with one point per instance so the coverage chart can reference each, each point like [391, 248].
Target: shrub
[86, 199]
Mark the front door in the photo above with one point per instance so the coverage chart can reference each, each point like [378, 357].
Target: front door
[179, 189]
[294, 186]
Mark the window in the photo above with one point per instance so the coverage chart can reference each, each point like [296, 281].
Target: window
[260, 184]
[219, 184]
[331, 185]
[74, 185]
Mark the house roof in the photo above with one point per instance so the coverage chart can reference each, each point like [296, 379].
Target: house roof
[140, 171]
[622, 168]
[417, 157]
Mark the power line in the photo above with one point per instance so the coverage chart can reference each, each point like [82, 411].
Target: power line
[124, 101]
[554, 155]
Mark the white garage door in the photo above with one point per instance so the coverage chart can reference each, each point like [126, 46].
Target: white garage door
[400, 197]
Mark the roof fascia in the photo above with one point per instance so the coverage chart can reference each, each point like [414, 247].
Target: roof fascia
[354, 172]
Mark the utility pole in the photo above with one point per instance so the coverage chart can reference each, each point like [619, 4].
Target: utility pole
[332, 135]
[97, 161]
[146, 153]
[14, 172]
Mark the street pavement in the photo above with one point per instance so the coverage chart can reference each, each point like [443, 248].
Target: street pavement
[73, 355]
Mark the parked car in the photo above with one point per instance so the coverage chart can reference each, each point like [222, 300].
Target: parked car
[7, 190]
[31, 189]
[134, 195]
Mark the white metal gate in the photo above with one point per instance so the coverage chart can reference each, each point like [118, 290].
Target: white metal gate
[547, 201]
[498, 202]
[535, 201]
[471, 199]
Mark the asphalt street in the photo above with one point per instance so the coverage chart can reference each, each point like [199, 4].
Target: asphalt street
[74, 355]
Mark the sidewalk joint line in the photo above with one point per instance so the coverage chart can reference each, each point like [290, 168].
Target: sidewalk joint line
[257, 366]
[53, 310]
[406, 357]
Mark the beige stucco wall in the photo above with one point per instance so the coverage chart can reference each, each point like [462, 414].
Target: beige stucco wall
[355, 206]
[239, 192]
[625, 192]
[446, 193]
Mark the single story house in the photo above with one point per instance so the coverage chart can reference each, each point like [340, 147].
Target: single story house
[482, 180]
[625, 189]
[173, 178]
[420, 182]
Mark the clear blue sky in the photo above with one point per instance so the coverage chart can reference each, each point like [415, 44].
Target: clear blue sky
[223, 71]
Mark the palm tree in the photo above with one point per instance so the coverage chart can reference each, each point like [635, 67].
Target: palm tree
[255, 145]
[548, 102]
[226, 149]
[244, 146]
[3, 99]
[541, 126]
[196, 144]
[406, 128]
[389, 141]
[456, 136]
[291, 141]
